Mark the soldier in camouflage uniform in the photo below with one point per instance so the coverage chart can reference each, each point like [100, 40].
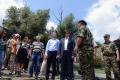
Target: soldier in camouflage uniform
[84, 46]
[110, 56]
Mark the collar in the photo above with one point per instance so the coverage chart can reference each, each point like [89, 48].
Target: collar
[108, 42]
[66, 38]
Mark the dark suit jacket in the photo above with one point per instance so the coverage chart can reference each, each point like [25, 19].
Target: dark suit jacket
[70, 45]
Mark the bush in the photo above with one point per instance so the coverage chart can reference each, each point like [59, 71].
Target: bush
[98, 62]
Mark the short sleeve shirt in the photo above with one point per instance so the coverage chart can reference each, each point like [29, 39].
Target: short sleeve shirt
[86, 35]
[37, 46]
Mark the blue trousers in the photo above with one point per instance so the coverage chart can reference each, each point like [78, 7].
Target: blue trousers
[1, 59]
[35, 65]
[66, 66]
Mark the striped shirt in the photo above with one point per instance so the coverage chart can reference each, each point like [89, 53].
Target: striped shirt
[37, 46]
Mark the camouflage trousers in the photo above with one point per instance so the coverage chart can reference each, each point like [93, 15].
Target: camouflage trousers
[87, 65]
[110, 62]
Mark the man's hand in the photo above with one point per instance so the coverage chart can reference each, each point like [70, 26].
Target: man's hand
[117, 53]
[94, 54]
[117, 59]
[75, 50]
[72, 57]
[58, 57]
[45, 56]
[75, 59]
[94, 57]
[30, 55]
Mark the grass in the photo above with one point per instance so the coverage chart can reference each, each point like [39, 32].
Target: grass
[100, 70]
[97, 70]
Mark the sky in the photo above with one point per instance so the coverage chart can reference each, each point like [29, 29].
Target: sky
[103, 16]
[77, 7]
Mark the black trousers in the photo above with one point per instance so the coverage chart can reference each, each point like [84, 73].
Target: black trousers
[66, 66]
[26, 64]
[51, 61]
[58, 67]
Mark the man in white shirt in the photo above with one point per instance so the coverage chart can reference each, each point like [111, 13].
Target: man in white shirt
[66, 50]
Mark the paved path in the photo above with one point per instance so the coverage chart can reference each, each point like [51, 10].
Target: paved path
[101, 76]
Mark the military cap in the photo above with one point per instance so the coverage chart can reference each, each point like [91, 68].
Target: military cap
[82, 21]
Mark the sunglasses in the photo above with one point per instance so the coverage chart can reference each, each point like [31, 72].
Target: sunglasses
[106, 37]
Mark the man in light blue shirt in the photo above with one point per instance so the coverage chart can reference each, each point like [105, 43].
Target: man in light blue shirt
[52, 45]
[52, 51]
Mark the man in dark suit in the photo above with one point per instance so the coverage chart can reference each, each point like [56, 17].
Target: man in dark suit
[66, 49]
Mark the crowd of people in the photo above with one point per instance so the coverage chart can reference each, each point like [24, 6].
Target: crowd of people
[32, 57]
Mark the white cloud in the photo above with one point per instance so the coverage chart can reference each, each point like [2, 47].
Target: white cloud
[51, 24]
[5, 4]
[105, 18]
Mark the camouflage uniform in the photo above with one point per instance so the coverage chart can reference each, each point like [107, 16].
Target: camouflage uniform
[109, 56]
[86, 54]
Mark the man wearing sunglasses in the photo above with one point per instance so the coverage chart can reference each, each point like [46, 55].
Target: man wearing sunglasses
[111, 57]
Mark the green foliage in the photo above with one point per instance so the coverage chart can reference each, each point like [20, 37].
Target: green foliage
[12, 22]
[40, 20]
[45, 38]
[98, 62]
[68, 23]
[98, 44]
[25, 22]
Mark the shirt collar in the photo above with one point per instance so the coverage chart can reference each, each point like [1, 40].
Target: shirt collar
[66, 38]
[108, 42]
